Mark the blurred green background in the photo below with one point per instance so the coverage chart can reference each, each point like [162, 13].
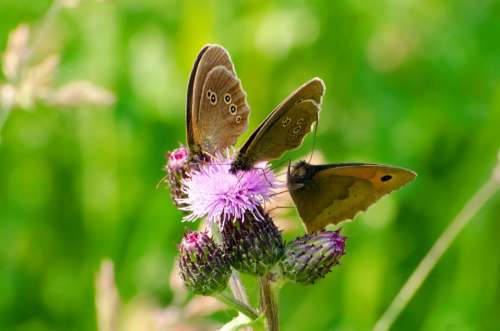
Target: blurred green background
[410, 83]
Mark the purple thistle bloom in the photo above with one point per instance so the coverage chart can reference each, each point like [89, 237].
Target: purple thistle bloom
[215, 192]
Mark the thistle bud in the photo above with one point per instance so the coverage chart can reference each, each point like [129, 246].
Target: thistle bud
[177, 169]
[203, 267]
[311, 257]
[252, 244]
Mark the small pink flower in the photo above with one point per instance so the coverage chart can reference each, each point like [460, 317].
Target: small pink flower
[193, 239]
[177, 158]
[215, 192]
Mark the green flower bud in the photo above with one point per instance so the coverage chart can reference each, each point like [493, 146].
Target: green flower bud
[177, 168]
[311, 257]
[252, 244]
[203, 267]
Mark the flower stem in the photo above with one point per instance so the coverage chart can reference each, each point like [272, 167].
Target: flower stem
[268, 303]
[237, 305]
[235, 283]
[4, 114]
[430, 260]
[237, 287]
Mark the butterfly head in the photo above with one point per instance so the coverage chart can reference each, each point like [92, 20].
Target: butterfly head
[240, 163]
[198, 156]
[298, 173]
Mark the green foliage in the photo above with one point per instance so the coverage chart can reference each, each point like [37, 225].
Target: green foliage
[412, 83]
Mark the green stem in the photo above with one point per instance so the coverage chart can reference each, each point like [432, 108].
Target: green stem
[237, 287]
[442, 244]
[234, 282]
[237, 305]
[268, 303]
[4, 114]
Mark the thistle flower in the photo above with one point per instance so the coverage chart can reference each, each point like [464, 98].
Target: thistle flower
[213, 191]
[203, 267]
[311, 257]
[252, 245]
[177, 168]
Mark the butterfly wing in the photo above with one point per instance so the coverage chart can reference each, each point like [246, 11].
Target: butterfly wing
[189, 100]
[223, 114]
[284, 129]
[214, 72]
[330, 194]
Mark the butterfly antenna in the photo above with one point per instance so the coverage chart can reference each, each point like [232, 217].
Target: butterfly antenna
[280, 207]
[293, 188]
[279, 164]
[278, 193]
[314, 142]
[265, 175]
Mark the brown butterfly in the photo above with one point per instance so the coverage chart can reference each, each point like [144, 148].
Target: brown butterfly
[216, 107]
[331, 193]
[284, 129]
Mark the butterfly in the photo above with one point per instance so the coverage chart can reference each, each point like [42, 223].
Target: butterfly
[217, 113]
[216, 107]
[331, 193]
[284, 128]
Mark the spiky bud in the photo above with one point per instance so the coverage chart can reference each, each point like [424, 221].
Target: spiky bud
[177, 168]
[311, 257]
[253, 244]
[203, 267]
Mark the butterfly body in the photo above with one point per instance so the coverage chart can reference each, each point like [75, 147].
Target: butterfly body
[241, 163]
[332, 193]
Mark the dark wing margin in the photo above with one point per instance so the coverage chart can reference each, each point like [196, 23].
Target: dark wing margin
[189, 99]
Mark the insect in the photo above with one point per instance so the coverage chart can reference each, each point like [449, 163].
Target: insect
[284, 128]
[216, 107]
[331, 193]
